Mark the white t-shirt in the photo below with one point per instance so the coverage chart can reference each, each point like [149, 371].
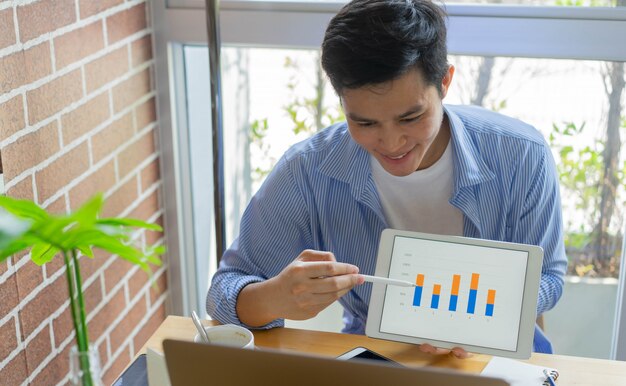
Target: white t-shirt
[419, 202]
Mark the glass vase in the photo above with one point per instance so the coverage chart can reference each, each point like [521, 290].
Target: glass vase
[79, 362]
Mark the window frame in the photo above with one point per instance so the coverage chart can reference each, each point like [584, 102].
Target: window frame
[581, 33]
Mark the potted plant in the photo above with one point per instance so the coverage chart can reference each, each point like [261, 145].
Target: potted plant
[25, 225]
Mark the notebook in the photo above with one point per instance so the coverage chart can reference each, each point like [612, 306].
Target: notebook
[190, 364]
[518, 373]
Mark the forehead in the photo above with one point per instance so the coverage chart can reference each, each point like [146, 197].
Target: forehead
[413, 75]
[393, 97]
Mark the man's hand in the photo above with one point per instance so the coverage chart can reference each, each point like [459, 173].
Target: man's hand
[305, 287]
[458, 352]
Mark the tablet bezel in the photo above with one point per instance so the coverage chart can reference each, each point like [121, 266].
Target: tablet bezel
[529, 300]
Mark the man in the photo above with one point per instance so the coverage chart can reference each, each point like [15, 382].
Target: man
[402, 160]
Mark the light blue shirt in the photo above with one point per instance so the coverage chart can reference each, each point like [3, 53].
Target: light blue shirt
[321, 196]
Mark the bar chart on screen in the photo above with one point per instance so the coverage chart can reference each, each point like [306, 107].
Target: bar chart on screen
[475, 292]
[471, 294]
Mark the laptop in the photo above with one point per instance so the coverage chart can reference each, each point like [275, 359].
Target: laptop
[190, 364]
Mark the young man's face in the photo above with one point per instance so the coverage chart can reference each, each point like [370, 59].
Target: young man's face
[399, 122]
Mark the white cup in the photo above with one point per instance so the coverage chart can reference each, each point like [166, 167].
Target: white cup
[228, 335]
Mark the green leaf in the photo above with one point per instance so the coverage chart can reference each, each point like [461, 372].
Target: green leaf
[154, 260]
[116, 247]
[23, 208]
[81, 238]
[16, 246]
[42, 253]
[152, 254]
[129, 222]
[87, 214]
[565, 151]
[54, 230]
[86, 250]
[158, 250]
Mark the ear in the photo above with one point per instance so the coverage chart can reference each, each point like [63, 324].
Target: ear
[447, 81]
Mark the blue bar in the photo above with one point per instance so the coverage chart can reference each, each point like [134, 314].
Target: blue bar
[472, 302]
[489, 310]
[453, 300]
[435, 302]
[417, 297]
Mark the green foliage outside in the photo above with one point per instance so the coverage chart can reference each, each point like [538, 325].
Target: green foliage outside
[308, 114]
[581, 175]
[258, 132]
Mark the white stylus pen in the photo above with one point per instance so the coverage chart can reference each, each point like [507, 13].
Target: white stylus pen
[386, 280]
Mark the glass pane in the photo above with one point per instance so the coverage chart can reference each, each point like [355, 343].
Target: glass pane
[270, 102]
[198, 114]
[272, 99]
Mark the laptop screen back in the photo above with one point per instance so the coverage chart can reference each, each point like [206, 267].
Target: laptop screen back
[191, 364]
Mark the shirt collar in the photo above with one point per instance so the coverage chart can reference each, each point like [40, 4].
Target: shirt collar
[469, 168]
[349, 162]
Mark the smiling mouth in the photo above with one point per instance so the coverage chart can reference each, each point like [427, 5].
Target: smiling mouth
[398, 156]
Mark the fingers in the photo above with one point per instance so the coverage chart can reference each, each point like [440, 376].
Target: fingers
[321, 264]
[457, 352]
[324, 300]
[313, 255]
[319, 269]
[460, 353]
[310, 283]
[334, 284]
[430, 349]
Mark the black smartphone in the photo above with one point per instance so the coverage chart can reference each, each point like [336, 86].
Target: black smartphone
[135, 375]
[362, 353]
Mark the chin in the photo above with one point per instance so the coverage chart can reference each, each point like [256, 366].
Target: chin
[402, 169]
[398, 172]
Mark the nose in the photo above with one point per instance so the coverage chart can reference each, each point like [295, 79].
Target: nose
[392, 138]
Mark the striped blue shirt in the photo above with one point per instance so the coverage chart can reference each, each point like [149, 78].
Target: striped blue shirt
[321, 196]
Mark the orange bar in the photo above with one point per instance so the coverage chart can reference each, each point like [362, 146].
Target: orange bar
[437, 289]
[491, 296]
[420, 280]
[456, 281]
[474, 284]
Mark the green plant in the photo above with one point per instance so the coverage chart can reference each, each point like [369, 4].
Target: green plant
[582, 176]
[309, 114]
[24, 225]
[258, 132]
[580, 169]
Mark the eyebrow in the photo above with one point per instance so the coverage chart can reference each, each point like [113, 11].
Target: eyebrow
[413, 110]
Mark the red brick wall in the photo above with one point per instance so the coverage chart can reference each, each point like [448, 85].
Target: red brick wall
[77, 116]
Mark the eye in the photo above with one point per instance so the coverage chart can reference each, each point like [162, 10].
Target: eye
[410, 119]
[365, 124]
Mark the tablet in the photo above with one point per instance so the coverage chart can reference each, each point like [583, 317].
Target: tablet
[477, 294]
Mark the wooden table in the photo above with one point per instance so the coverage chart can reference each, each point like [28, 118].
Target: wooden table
[573, 370]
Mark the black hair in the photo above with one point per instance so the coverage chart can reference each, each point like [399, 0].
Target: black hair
[374, 41]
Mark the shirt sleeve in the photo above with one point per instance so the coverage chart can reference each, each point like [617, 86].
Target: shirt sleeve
[274, 230]
[541, 224]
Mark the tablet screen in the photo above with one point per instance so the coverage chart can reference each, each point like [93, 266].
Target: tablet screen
[465, 294]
